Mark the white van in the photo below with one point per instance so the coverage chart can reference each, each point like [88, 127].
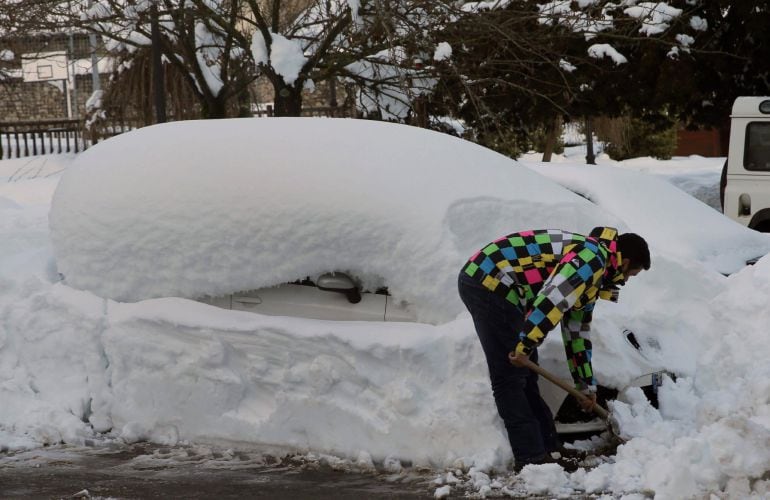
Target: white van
[745, 184]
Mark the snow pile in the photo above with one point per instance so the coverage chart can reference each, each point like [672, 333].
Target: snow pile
[74, 364]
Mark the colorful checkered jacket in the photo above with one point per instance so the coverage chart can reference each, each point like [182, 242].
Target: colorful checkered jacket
[553, 276]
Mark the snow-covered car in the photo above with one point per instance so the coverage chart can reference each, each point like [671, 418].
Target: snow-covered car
[330, 219]
[212, 208]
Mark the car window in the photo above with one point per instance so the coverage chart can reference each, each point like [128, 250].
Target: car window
[757, 151]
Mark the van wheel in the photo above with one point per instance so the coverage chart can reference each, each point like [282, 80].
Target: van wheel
[762, 227]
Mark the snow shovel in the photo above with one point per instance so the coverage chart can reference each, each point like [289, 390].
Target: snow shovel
[612, 424]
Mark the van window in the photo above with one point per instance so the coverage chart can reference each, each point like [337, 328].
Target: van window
[757, 152]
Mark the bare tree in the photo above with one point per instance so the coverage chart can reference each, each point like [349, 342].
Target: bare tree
[221, 46]
[515, 64]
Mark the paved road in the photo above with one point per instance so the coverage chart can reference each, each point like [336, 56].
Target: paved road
[152, 472]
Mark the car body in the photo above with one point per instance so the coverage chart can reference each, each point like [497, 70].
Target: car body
[331, 296]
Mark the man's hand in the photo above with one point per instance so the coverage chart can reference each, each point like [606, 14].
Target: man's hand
[588, 402]
[517, 358]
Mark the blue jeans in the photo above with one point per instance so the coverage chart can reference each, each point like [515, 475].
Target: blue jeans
[526, 416]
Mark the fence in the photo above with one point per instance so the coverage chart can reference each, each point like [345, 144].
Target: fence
[32, 138]
[320, 111]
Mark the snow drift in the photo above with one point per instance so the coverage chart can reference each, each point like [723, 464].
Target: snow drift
[76, 366]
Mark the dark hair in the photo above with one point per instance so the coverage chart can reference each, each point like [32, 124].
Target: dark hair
[635, 249]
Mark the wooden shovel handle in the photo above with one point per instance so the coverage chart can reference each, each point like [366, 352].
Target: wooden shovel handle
[564, 385]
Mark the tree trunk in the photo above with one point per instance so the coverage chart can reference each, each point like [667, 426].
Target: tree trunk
[158, 80]
[244, 104]
[215, 107]
[288, 99]
[552, 134]
[420, 112]
[590, 157]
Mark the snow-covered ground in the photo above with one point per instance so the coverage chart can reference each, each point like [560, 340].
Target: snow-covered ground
[76, 366]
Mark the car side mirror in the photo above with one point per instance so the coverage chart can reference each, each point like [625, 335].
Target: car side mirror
[340, 283]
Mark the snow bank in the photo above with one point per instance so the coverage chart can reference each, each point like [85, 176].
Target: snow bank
[172, 370]
[75, 366]
[713, 430]
[168, 370]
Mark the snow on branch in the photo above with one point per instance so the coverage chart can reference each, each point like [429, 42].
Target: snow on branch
[387, 85]
[443, 52]
[473, 7]
[655, 16]
[209, 54]
[284, 55]
[601, 50]
[561, 13]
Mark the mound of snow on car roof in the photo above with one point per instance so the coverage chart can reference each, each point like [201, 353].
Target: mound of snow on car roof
[205, 208]
[672, 222]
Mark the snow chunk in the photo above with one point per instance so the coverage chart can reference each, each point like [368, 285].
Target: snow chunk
[443, 52]
[566, 66]
[601, 50]
[685, 40]
[545, 479]
[698, 23]
[442, 492]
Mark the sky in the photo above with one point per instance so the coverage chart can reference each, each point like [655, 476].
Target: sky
[102, 252]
